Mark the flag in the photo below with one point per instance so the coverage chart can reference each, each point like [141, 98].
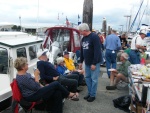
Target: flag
[78, 16]
[79, 23]
[67, 22]
[58, 16]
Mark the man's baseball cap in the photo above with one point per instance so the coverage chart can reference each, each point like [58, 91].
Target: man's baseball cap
[41, 53]
[66, 52]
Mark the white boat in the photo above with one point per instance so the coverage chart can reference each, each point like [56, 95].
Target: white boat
[13, 45]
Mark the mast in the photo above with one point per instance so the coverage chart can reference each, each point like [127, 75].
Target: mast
[136, 17]
[88, 12]
[147, 20]
[143, 13]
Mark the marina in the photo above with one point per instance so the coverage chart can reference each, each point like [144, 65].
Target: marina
[54, 30]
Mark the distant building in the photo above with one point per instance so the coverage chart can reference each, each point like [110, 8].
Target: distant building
[109, 30]
[6, 27]
[28, 29]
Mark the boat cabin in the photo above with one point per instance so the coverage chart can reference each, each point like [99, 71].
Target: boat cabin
[13, 45]
[61, 38]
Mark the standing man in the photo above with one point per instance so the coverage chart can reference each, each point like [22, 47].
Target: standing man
[137, 44]
[112, 45]
[91, 54]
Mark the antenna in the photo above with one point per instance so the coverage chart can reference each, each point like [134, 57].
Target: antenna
[20, 23]
[37, 20]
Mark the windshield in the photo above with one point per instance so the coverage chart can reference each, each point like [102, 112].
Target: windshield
[61, 35]
[3, 60]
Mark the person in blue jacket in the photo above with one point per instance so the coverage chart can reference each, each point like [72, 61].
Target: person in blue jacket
[61, 68]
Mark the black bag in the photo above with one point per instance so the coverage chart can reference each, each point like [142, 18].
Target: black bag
[122, 102]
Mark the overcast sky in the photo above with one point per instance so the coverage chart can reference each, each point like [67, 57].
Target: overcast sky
[112, 10]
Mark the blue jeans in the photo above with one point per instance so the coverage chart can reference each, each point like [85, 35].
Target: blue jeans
[134, 57]
[91, 78]
[110, 60]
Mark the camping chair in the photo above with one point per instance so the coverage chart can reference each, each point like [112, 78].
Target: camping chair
[17, 100]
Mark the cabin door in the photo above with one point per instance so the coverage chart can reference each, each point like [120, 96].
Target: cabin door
[4, 75]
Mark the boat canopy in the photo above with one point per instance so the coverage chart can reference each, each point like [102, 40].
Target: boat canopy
[68, 37]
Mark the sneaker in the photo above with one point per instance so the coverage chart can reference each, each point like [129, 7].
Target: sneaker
[111, 87]
[91, 99]
[86, 97]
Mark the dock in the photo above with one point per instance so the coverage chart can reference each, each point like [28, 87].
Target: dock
[102, 104]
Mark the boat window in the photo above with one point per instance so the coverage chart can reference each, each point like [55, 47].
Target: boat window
[76, 39]
[61, 35]
[21, 52]
[32, 52]
[3, 60]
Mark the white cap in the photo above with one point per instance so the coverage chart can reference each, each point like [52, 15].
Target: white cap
[47, 52]
[143, 31]
[40, 53]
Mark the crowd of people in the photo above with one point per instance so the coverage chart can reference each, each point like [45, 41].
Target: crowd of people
[63, 80]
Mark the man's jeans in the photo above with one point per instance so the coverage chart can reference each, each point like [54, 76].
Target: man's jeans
[110, 60]
[91, 78]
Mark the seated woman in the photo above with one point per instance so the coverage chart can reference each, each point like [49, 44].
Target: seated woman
[32, 91]
[120, 74]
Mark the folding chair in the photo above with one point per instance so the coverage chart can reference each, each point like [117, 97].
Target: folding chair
[17, 100]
